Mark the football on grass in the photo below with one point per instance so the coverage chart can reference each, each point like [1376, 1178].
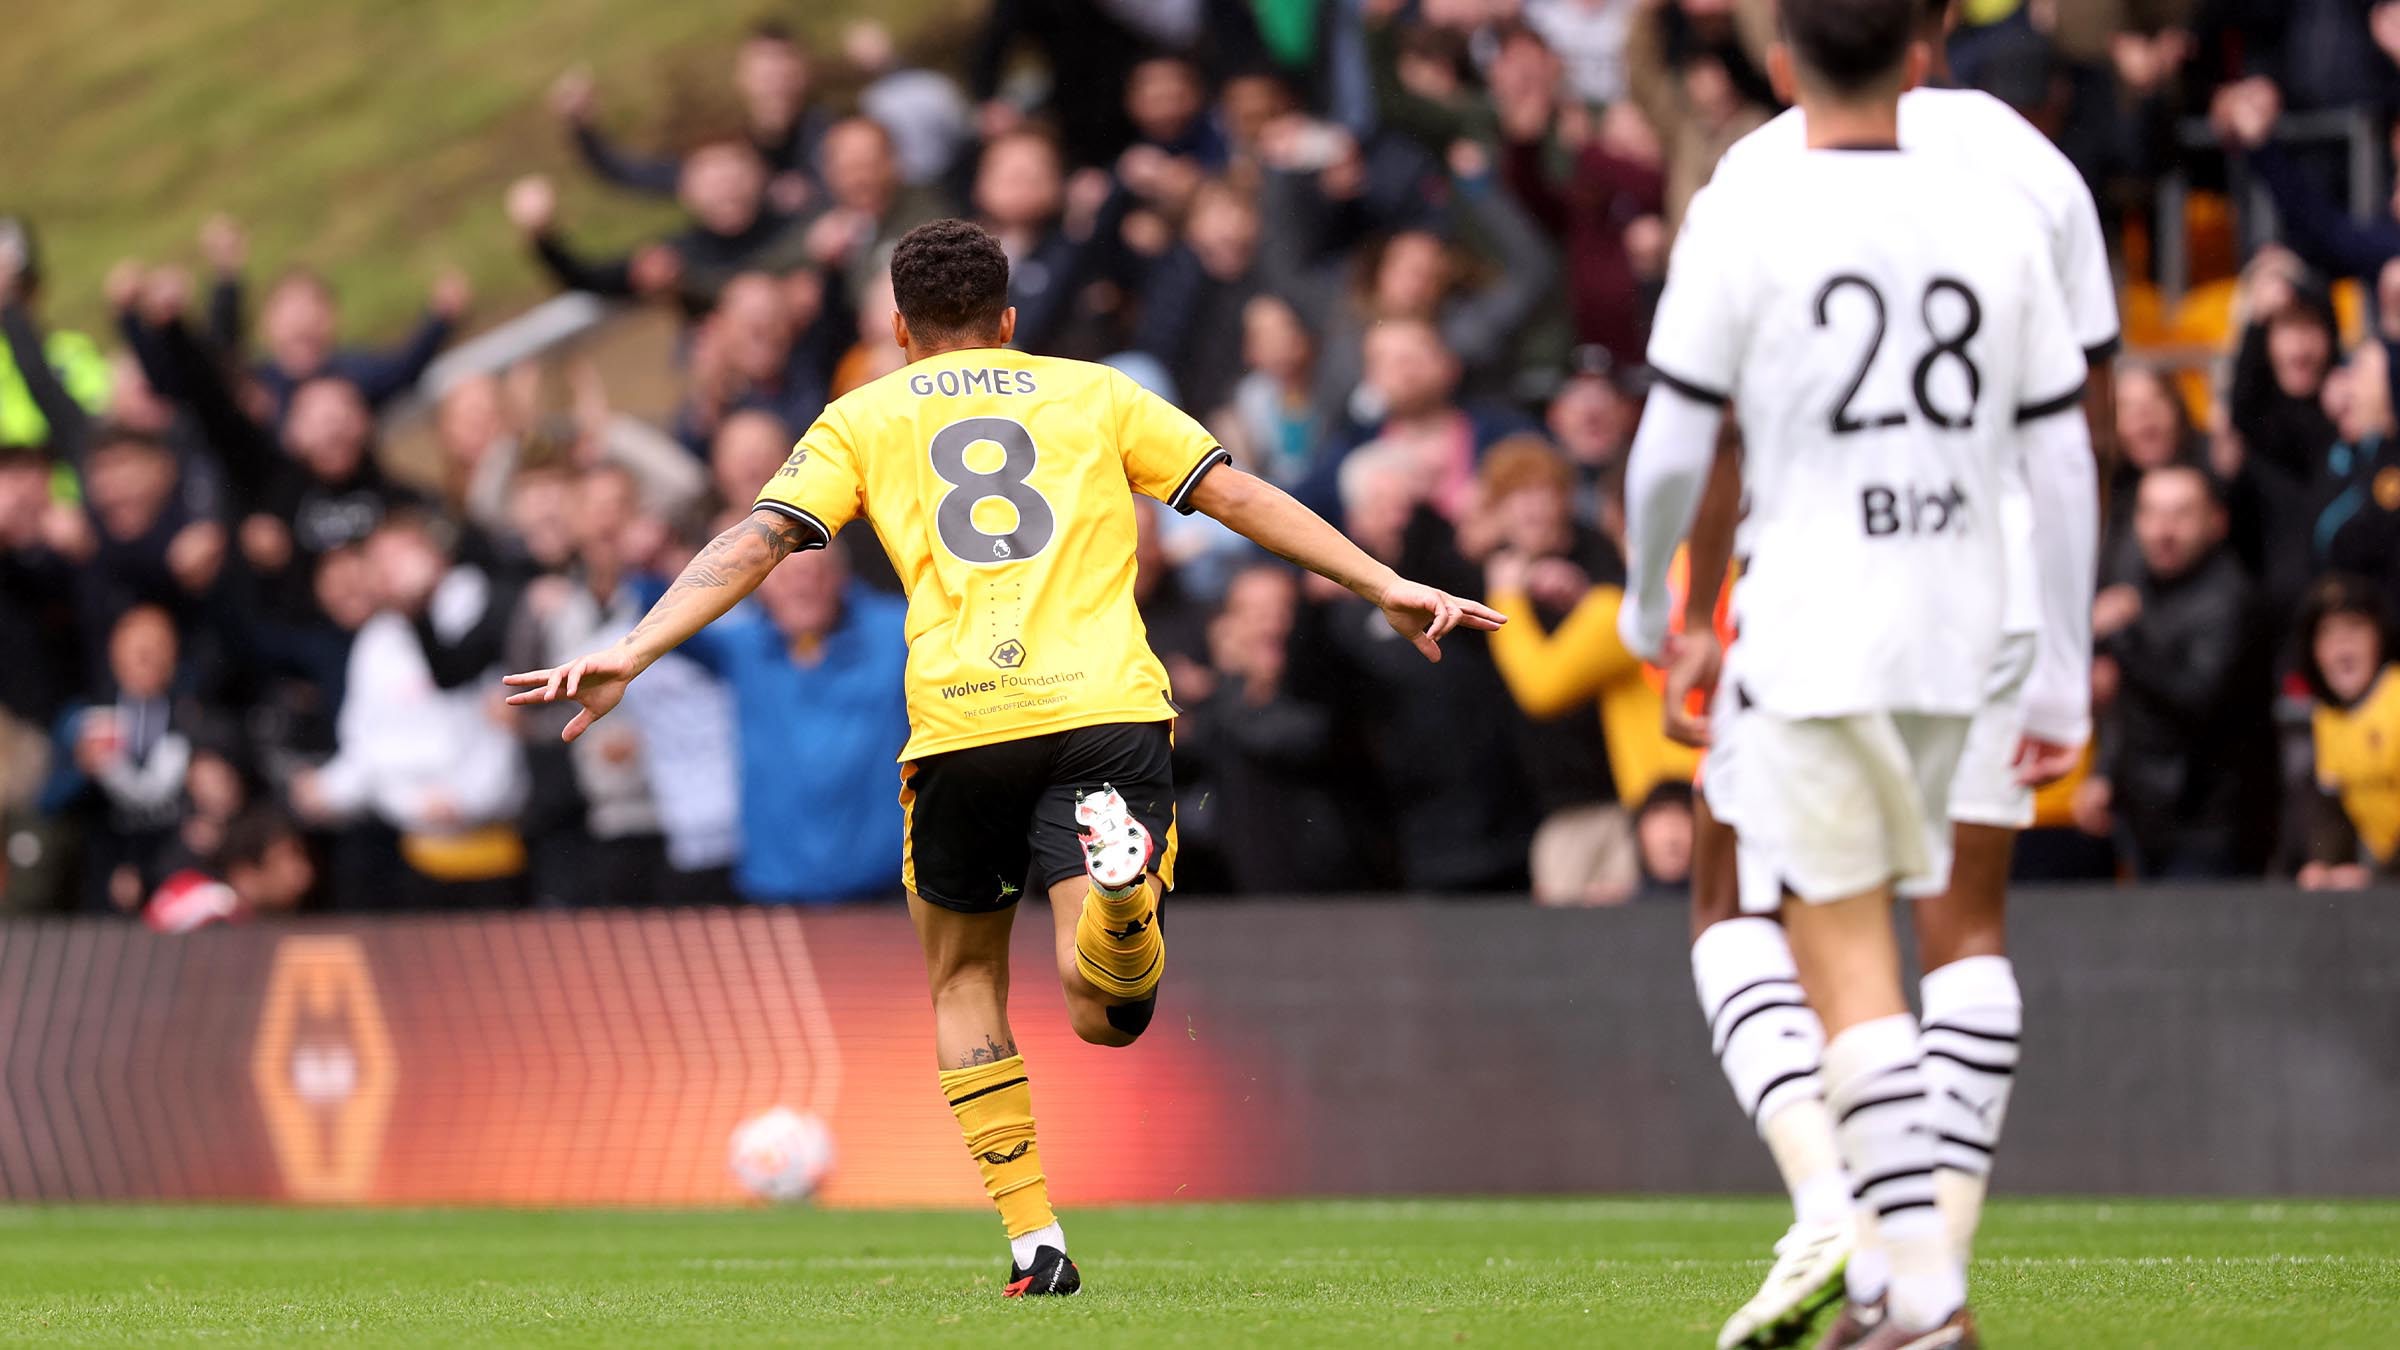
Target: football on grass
[781, 1155]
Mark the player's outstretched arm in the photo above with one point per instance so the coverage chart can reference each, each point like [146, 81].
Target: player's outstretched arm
[716, 579]
[1267, 516]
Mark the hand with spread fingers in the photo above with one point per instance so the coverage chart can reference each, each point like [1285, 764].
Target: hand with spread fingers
[1424, 615]
[596, 681]
[728, 568]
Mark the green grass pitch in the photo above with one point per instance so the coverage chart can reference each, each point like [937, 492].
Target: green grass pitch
[1440, 1272]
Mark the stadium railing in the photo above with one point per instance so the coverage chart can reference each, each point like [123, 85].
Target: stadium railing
[2349, 130]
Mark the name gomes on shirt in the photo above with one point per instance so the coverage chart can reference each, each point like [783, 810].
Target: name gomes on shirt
[973, 380]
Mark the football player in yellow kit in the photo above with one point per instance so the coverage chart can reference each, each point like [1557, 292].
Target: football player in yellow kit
[1039, 719]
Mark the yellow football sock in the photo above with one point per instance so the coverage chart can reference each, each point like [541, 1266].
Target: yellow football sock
[1118, 945]
[994, 1106]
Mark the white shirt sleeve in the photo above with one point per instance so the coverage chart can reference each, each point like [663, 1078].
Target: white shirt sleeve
[1665, 475]
[2064, 484]
[2078, 250]
[2064, 487]
[2091, 288]
[1696, 345]
[1980, 130]
[2051, 369]
[1696, 340]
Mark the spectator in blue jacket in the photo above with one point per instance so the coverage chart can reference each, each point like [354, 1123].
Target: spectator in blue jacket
[817, 690]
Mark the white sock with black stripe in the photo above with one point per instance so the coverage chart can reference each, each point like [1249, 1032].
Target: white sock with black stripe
[1769, 1043]
[1876, 1090]
[1973, 1015]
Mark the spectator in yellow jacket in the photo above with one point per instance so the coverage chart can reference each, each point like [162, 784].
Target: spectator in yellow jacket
[2356, 730]
[1579, 662]
[1560, 652]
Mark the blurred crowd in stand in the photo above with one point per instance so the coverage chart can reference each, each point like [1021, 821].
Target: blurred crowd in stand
[1400, 254]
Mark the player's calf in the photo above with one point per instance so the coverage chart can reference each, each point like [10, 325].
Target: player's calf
[984, 1080]
[1970, 916]
[1769, 1043]
[993, 1101]
[1849, 963]
[1716, 872]
[1876, 1087]
[1973, 1018]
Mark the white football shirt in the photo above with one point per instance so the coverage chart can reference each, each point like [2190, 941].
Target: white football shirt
[2050, 560]
[1881, 322]
[1975, 130]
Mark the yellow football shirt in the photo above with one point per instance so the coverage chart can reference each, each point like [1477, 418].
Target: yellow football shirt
[997, 483]
[2358, 759]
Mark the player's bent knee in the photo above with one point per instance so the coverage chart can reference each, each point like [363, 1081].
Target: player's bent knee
[1100, 1022]
[1094, 1026]
[1132, 1018]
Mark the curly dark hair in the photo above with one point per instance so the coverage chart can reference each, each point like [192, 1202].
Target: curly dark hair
[950, 280]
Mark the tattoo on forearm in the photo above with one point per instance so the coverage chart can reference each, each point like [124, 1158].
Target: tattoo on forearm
[648, 625]
[990, 1052]
[730, 559]
[783, 535]
[708, 568]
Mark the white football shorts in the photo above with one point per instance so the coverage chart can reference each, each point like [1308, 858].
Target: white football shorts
[1829, 808]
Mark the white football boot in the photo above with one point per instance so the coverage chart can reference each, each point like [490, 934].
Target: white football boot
[1116, 849]
[1805, 1280]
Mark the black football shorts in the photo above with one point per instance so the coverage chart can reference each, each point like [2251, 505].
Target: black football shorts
[991, 821]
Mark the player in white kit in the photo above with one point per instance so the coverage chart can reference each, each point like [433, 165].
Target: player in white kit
[1768, 1043]
[1882, 322]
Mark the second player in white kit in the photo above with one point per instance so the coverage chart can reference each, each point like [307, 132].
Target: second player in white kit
[1742, 967]
[1880, 323]
[1980, 134]
[1888, 327]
